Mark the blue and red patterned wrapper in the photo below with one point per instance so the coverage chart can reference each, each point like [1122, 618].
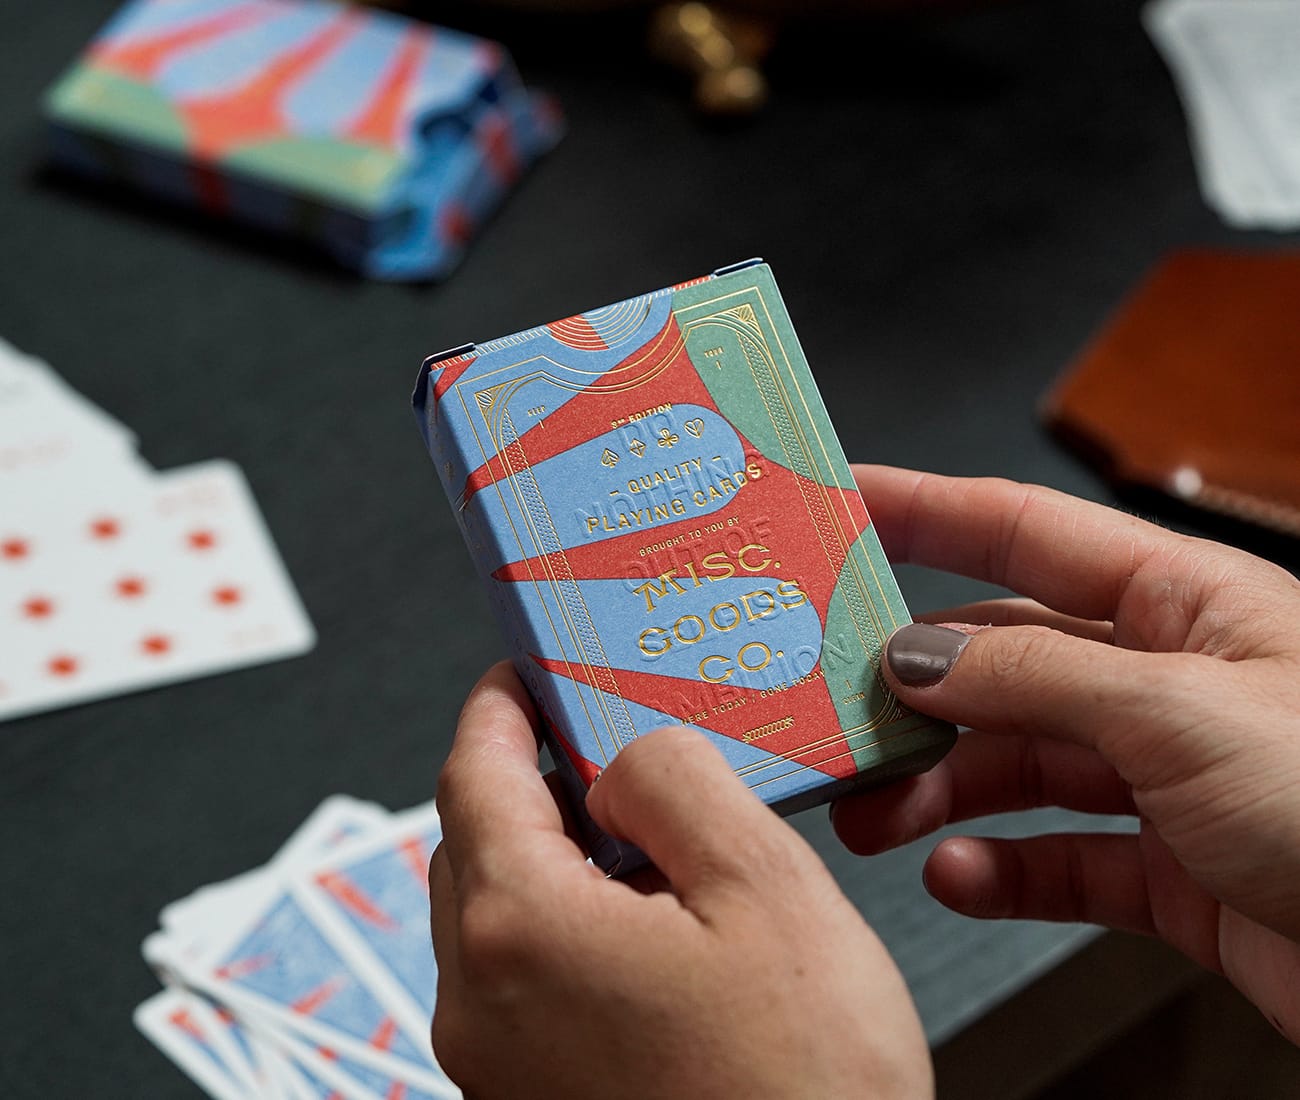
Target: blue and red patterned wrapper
[670, 534]
[384, 141]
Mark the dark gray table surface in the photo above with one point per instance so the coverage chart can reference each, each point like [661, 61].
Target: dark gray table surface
[951, 205]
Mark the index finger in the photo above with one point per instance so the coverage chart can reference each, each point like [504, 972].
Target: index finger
[495, 807]
[1073, 555]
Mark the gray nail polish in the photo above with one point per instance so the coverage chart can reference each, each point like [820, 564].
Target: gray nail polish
[922, 654]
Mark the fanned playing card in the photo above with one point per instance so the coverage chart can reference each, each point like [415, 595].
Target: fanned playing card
[189, 1031]
[52, 440]
[370, 899]
[319, 964]
[114, 577]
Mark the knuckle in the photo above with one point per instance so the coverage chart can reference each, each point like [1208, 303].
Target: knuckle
[489, 705]
[670, 741]
[495, 941]
[652, 752]
[1075, 886]
[437, 869]
[774, 853]
[1030, 773]
[1012, 656]
[444, 793]
[452, 1040]
[784, 857]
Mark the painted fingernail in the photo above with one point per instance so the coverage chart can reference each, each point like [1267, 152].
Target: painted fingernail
[921, 654]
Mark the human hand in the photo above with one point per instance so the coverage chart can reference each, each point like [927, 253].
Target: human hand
[747, 973]
[1150, 674]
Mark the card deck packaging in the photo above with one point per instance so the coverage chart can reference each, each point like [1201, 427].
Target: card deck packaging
[669, 533]
[382, 140]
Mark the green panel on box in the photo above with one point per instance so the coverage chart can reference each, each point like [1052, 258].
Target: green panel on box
[358, 176]
[106, 103]
[747, 347]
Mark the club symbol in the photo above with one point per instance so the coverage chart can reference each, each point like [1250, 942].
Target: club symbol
[695, 427]
[667, 438]
[636, 447]
[609, 458]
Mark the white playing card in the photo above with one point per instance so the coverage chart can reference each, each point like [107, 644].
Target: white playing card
[181, 1025]
[1230, 179]
[325, 1073]
[40, 378]
[187, 922]
[1253, 49]
[1237, 66]
[287, 1082]
[302, 1018]
[170, 581]
[260, 1060]
[370, 899]
[275, 965]
[55, 442]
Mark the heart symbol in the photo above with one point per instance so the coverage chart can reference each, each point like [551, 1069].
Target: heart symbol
[695, 427]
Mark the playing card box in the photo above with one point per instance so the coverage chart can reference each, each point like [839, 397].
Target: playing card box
[384, 141]
[670, 534]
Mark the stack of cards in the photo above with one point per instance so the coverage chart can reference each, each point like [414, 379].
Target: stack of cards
[115, 577]
[382, 140]
[1237, 66]
[312, 977]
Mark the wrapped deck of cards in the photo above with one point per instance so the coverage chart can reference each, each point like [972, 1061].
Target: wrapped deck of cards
[384, 141]
[670, 534]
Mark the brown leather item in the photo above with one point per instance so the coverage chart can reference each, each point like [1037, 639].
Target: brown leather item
[1193, 386]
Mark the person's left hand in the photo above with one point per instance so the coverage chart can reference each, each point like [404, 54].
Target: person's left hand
[748, 973]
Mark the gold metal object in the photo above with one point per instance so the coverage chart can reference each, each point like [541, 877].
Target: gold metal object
[720, 51]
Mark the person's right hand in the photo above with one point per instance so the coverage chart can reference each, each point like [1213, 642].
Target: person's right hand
[738, 969]
[1149, 673]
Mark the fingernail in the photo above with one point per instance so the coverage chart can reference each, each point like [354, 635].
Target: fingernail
[921, 654]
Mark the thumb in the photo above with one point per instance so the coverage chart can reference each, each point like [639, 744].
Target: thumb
[1033, 680]
[673, 795]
